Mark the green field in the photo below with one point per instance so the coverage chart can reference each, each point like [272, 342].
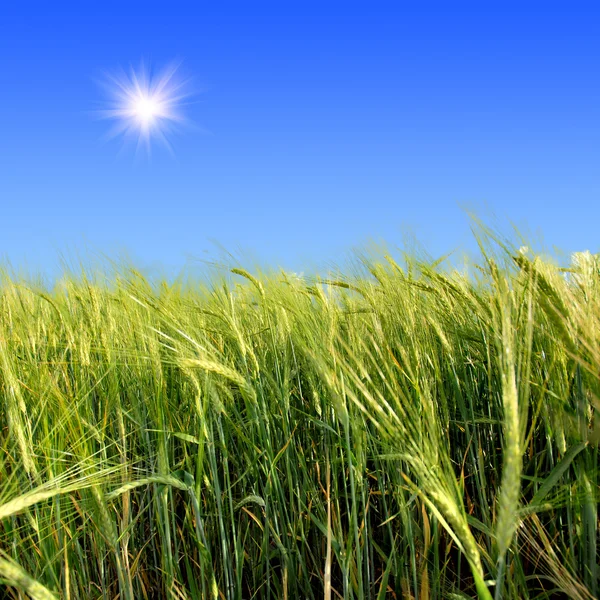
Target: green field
[398, 430]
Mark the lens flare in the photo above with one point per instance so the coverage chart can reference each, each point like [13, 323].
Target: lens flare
[145, 106]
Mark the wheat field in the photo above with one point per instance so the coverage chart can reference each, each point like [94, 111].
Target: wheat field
[397, 430]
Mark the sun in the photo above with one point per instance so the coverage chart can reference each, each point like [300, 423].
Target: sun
[147, 109]
[146, 106]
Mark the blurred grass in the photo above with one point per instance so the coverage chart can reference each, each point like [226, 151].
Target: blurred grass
[396, 432]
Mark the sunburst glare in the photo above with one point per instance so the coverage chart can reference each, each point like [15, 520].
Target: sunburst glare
[146, 106]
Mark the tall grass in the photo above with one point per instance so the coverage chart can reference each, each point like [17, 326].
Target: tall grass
[396, 431]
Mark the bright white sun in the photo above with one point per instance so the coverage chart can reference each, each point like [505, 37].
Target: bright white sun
[146, 106]
[146, 109]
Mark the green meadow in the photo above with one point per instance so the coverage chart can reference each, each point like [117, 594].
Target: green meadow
[400, 429]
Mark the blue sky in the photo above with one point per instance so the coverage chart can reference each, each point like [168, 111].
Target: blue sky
[320, 126]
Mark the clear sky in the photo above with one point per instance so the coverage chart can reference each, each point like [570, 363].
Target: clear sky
[319, 126]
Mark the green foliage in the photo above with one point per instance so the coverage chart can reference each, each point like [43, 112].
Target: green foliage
[401, 432]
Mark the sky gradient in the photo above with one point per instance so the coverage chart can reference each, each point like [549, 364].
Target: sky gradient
[319, 127]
